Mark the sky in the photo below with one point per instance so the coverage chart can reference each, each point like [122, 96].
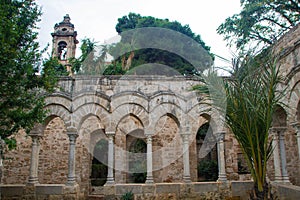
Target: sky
[96, 19]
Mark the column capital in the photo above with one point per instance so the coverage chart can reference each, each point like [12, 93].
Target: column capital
[72, 129]
[220, 135]
[185, 137]
[149, 138]
[72, 136]
[278, 129]
[35, 136]
[110, 133]
[38, 129]
[296, 126]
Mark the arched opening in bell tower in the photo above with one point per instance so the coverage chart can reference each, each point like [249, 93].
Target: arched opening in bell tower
[62, 50]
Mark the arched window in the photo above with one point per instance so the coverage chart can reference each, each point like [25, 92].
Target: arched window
[99, 163]
[62, 50]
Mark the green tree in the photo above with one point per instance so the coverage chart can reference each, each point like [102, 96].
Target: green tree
[92, 59]
[260, 21]
[247, 100]
[133, 58]
[22, 89]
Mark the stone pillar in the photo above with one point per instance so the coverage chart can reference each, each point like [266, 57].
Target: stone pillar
[297, 128]
[285, 176]
[276, 155]
[71, 163]
[149, 178]
[110, 161]
[221, 156]
[186, 158]
[34, 162]
[2, 145]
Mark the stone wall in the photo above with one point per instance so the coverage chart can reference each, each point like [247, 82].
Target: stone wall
[17, 161]
[292, 159]
[287, 50]
[54, 151]
[287, 47]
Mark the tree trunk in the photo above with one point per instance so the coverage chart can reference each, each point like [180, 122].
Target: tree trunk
[129, 60]
[263, 195]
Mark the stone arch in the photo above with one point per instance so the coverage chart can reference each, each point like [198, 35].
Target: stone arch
[207, 158]
[279, 117]
[197, 110]
[167, 109]
[203, 118]
[167, 149]
[57, 110]
[87, 110]
[98, 173]
[54, 152]
[128, 127]
[91, 131]
[131, 109]
[167, 97]
[293, 101]
[136, 148]
[85, 98]
[135, 97]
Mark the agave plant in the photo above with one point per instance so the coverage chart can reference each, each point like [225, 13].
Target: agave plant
[247, 99]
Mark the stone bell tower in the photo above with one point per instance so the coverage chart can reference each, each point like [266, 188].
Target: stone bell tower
[64, 41]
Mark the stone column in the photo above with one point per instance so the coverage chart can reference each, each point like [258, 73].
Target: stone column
[110, 161]
[149, 178]
[297, 128]
[2, 144]
[186, 158]
[277, 168]
[34, 161]
[71, 164]
[285, 176]
[221, 156]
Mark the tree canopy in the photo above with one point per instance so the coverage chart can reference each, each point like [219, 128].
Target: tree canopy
[22, 89]
[136, 57]
[260, 21]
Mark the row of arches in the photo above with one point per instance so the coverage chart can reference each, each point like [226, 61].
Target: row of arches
[131, 122]
[92, 152]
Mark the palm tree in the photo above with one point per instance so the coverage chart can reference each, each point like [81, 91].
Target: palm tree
[247, 100]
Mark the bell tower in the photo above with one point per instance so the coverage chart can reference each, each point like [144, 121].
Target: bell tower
[64, 41]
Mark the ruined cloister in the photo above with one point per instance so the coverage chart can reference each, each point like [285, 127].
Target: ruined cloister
[163, 116]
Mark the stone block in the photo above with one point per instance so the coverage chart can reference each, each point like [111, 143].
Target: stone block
[148, 188]
[50, 189]
[134, 188]
[108, 190]
[205, 187]
[288, 191]
[167, 188]
[11, 190]
[241, 188]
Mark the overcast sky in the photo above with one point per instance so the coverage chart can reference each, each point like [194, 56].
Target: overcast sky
[96, 19]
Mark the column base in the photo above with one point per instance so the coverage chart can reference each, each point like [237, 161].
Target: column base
[278, 179]
[187, 179]
[110, 181]
[71, 181]
[33, 180]
[286, 180]
[149, 180]
[222, 178]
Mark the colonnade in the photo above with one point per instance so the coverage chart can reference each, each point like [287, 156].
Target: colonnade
[279, 154]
